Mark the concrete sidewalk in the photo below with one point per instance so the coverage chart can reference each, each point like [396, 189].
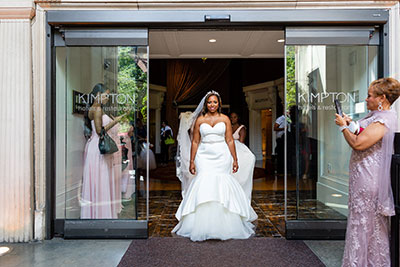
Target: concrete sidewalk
[82, 253]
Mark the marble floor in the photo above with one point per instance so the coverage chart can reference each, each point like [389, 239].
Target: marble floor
[267, 200]
[269, 206]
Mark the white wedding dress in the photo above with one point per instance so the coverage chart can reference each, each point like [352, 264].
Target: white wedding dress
[215, 205]
[246, 162]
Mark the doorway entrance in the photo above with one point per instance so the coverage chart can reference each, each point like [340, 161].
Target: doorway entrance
[312, 67]
[247, 69]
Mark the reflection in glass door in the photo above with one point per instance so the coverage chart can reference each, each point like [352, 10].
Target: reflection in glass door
[101, 140]
[317, 154]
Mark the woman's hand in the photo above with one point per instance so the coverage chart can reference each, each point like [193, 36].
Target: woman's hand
[130, 132]
[340, 121]
[115, 121]
[192, 168]
[120, 117]
[347, 118]
[235, 166]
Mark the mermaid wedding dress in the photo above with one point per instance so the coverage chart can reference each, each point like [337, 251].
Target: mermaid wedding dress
[214, 205]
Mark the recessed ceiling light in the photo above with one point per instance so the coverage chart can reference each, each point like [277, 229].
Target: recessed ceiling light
[212, 40]
[281, 40]
[336, 195]
[4, 250]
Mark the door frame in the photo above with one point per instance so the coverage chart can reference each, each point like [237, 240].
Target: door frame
[199, 19]
[328, 228]
[91, 228]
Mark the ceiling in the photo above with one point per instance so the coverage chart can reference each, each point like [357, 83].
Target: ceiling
[229, 44]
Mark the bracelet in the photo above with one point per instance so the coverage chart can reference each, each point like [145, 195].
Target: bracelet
[354, 127]
[342, 128]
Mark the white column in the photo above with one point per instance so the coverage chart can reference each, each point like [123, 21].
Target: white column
[39, 121]
[16, 131]
[156, 99]
[158, 128]
[273, 119]
[255, 133]
[258, 97]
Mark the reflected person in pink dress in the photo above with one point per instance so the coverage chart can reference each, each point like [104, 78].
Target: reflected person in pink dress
[370, 194]
[98, 186]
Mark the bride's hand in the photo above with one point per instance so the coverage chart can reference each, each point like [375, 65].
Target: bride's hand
[192, 168]
[235, 166]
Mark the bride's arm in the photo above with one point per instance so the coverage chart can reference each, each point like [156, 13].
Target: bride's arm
[231, 143]
[194, 146]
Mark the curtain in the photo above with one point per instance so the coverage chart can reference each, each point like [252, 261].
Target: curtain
[186, 80]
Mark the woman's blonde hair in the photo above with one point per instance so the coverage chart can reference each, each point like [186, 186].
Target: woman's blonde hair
[386, 86]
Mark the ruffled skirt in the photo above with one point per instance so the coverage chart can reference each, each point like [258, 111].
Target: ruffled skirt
[215, 206]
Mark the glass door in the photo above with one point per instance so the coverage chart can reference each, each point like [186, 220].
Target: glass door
[323, 65]
[102, 100]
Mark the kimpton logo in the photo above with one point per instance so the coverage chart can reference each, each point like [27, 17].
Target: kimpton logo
[120, 99]
[328, 96]
[116, 102]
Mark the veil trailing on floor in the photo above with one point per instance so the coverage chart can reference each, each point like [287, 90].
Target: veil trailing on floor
[183, 151]
[184, 138]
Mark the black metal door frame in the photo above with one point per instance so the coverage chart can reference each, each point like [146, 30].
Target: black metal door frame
[196, 19]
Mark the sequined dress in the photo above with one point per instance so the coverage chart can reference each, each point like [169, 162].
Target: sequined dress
[367, 235]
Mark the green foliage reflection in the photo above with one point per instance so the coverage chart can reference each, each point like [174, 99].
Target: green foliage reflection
[132, 81]
[290, 76]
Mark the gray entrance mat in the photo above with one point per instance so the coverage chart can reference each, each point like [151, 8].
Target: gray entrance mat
[176, 251]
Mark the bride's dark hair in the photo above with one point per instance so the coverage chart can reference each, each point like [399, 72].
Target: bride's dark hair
[211, 93]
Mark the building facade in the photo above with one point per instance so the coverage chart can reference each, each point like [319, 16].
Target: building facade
[26, 76]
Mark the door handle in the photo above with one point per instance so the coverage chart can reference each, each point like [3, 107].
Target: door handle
[217, 17]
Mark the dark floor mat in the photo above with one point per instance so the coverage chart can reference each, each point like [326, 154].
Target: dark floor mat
[177, 251]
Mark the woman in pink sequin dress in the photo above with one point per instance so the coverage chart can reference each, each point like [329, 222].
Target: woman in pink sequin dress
[370, 193]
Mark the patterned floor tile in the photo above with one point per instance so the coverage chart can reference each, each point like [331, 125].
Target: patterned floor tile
[269, 206]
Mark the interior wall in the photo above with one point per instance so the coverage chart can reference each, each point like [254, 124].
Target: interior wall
[350, 71]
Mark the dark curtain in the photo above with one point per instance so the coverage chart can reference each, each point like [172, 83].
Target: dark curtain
[187, 80]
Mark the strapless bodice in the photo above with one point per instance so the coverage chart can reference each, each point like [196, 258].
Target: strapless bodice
[212, 134]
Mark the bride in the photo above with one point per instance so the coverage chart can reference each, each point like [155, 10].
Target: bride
[214, 205]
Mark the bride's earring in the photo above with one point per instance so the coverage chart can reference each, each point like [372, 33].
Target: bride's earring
[380, 106]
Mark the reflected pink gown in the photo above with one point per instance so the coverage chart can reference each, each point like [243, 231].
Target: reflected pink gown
[98, 185]
[127, 184]
[117, 166]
